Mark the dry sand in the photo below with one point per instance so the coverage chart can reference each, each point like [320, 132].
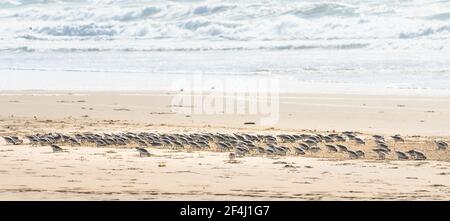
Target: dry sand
[106, 173]
[87, 173]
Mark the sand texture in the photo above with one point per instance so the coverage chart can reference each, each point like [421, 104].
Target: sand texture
[117, 172]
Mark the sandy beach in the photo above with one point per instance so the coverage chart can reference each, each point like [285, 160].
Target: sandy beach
[119, 173]
[225, 100]
[45, 111]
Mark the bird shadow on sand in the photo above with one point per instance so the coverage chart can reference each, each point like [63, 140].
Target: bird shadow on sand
[56, 153]
[232, 161]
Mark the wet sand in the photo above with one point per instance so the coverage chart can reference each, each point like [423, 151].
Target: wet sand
[428, 116]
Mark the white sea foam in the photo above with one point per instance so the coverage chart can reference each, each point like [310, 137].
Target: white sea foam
[357, 46]
[368, 23]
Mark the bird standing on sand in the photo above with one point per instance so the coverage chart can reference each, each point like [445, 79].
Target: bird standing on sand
[224, 146]
[382, 146]
[401, 155]
[304, 146]
[261, 149]
[378, 137]
[232, 156]
[386, 151]
[9, 140]
[352, 154]
[13, 140]
[360, 153]
[441, 145]
[299, 150]
[241, 151]
[420, 156]
[56, 148]
[412, 153]
[398, 138]
[331, 148]
[359, 140]
[17, 140]
[270, 150]
[342, 148]
[328, 139]
[314, 149]
[381, 153]
[311, 141]
[339, 138]
[417, 155]
[142, 152]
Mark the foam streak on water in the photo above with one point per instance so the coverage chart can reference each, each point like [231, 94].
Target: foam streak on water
[350, 46]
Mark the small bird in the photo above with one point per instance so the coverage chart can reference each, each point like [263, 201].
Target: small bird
[420, 156]
[441, 145]
[304, 146]
[328, 139]
[378, 137]
[314, 149]
[299, 150]
[352, 154]
[73, 142]
[398, 138]
[412, 153]
[261, 150]
[382, 145]
[347, 132]
[270, 151]
[339, 138]
[177, 144]
[342, 148]
[401, 155]
[193, 144]
[100, 143]
[33, 140]
[224, 146]
[331, 148]
[351, 136]
[143, 152]
[417, 155]
[56, 148]
[13, 140]
[156, 144]
[9, 140]
[241, 151]
[359, 140]
[232, 156]
[379, 141]
[386, 151]
[360, 153]
[142, 142]
[311, 142]
[381, 154]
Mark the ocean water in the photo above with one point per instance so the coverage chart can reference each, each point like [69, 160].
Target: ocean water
[349, 46]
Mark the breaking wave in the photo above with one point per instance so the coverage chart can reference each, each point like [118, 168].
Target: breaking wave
[364, 23]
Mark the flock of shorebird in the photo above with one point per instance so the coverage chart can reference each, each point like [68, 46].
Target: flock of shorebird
[237, 144]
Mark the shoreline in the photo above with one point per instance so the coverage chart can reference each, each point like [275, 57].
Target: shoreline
[386, 115]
